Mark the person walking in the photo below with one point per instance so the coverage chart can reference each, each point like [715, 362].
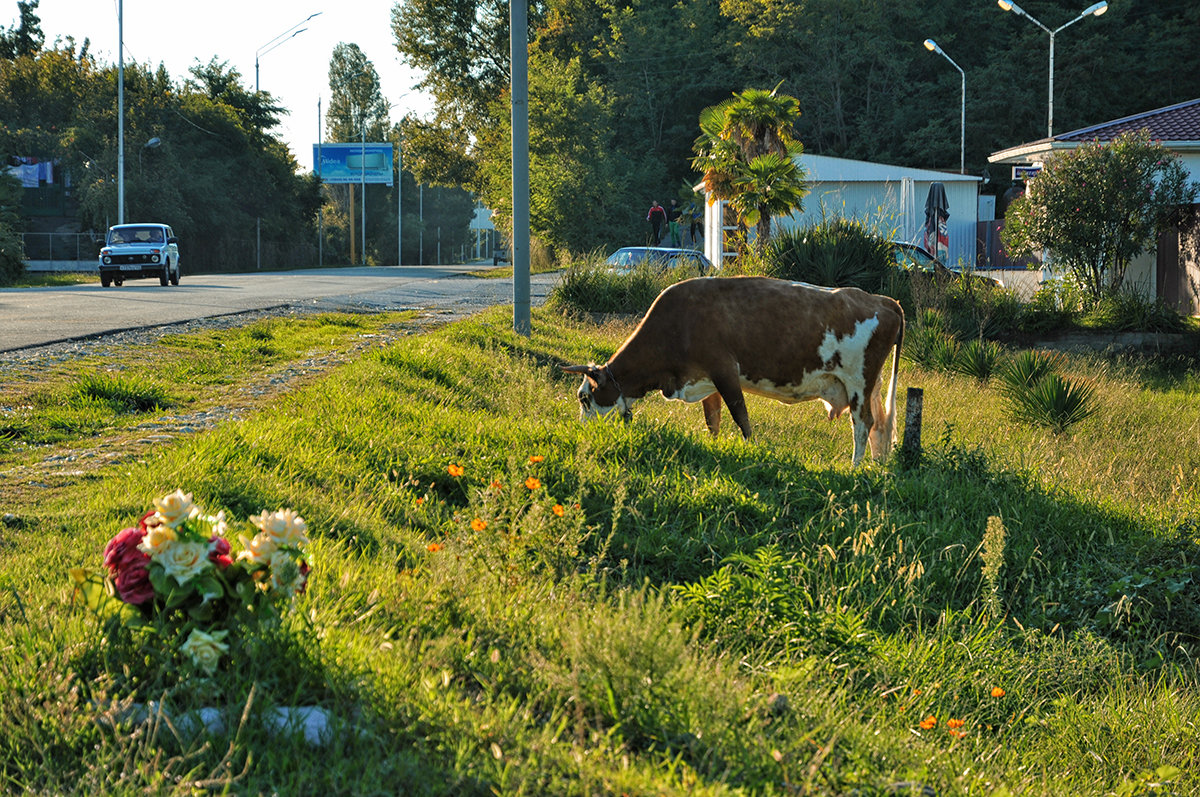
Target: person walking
[673, 214]
[656, 217]
[695, 223]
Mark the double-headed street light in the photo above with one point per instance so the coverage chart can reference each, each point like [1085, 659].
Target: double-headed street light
[1094, 10]
[932, 47]
[290, 33]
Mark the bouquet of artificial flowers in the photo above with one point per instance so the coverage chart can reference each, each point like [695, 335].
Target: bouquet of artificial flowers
[177, 570]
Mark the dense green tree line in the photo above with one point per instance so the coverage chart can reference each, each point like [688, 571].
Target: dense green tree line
[617, 86]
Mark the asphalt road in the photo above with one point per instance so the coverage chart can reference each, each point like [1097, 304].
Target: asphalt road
[38, 316]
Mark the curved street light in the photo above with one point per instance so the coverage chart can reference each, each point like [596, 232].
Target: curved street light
[287, 35]
[932, 47]
[1094, 10]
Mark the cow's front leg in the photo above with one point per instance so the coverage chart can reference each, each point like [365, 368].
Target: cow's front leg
[712, 413]
[729, 387]
[862, 419]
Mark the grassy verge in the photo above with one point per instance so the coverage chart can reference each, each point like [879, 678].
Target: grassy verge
[606, 608]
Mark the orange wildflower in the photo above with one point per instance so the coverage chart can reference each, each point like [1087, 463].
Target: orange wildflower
[420, 501]
[533, 483]
[997, 692]
[952, 724]
[478, 524]
[433, 547]
[536, 458]
[496, 485]
[558, 510]
[929, 722]
[455, 469]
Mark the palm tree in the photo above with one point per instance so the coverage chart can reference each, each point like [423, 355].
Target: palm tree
[747, 155]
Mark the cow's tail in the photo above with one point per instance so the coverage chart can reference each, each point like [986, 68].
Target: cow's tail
[889, 408]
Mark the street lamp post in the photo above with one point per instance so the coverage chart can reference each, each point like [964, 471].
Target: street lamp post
[286, 36]
[363, 179]
[932, 46]
[1094, 10]
[278, 40]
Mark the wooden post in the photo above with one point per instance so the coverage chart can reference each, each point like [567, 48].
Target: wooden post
[910, 448]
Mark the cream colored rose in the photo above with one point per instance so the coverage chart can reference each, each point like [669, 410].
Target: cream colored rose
[218, 523]
[157, 538]
[284, 526]
[183, 560]
[260, 549]
[205, 650]
[175, 508]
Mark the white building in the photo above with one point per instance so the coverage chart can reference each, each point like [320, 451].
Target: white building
[888, 198]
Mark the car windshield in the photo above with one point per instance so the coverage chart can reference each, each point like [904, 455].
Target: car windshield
[138, 235]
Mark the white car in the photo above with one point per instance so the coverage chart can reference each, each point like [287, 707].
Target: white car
[132, 251]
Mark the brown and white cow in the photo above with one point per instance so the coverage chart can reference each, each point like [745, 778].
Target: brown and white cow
[712, 338]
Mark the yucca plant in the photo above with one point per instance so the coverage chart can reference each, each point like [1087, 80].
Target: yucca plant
[1053, 402]
[1027, 369]
[978, 358]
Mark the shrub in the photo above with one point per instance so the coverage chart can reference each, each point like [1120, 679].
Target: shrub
[590, 287]
[978, 358]
[1027, 369]
[836, 253]
[1128, 311]
[12, 250]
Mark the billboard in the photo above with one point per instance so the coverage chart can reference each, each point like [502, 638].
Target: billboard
[354, 163]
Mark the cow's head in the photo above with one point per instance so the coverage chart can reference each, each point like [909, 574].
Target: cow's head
[599, 394]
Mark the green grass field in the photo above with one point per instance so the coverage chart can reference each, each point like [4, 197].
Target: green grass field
[636, 609]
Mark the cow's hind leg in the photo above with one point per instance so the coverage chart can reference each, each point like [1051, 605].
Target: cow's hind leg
[729, 387]
[862, 420]
[712, 413]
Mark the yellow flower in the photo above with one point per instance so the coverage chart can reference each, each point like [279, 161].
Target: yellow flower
[478, 524]
[533, 483]
[183, 560]
[175, 508]
[558, 510]
[158, 537]
[929, 722]
[455, 470]
[205, 650]
[260, 549]
[536, 458]
[285, 527]
[997, 692]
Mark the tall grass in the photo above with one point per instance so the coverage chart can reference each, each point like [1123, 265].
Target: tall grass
[609, 608]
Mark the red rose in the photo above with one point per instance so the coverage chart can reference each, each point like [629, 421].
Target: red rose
[218, 552]
[128, 567]
[304, 569]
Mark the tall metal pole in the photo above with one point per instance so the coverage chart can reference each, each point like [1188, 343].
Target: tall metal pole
[932, 46]
[120, 111]
[519, 58]
[363, 177]
[421, 229]
[321, 189]
[399, 201]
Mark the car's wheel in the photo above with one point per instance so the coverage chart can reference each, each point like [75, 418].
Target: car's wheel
[118, 281]
[105, 280]
[175, 274]
[162, 275]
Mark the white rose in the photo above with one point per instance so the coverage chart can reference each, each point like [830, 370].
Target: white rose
[285, 573]
[260, 549]
[183, 560]
[158, 536]
[285, 527]
[205, 650]
[175, 508]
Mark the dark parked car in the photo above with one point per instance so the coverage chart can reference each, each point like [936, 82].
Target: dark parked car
[911, 257]
[132, 251]
[662, 258]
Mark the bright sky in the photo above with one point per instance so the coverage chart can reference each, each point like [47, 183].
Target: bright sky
[179, 34]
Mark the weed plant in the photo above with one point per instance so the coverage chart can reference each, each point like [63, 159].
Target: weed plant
[507, 601]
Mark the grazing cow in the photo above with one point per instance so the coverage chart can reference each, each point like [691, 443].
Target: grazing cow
[711, 338]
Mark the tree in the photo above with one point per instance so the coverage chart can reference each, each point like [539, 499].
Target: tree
[1097, 207]
[25, 39]
[747, 154]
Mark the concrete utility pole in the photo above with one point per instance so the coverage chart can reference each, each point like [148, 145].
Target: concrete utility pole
[519, 46]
